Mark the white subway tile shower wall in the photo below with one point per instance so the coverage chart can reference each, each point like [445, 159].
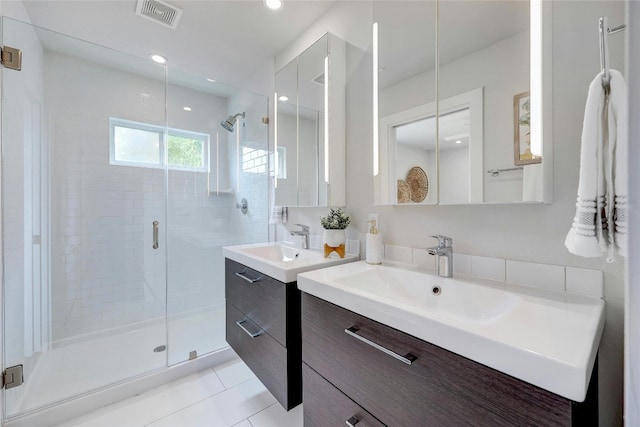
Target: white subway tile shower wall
[102, 274]
[253, 185]
[580, 281]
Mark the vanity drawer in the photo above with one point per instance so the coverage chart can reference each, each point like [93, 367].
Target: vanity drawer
[437, 388]
[266, 357]
[263, 301]
[319, 395]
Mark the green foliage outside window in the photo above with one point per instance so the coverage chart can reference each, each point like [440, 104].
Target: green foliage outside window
[185, 152]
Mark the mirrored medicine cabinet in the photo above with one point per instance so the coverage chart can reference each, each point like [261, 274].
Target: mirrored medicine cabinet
[461, 102]
[309, 112]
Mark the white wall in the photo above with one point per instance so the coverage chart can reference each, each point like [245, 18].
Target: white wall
[454, 175]
[14, 9]
[349, 20]
[632, 321]
[498, 231]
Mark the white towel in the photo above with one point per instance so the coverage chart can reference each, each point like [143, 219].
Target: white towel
[619, 123]
[532, 183]
[279, 215]
[600, 222]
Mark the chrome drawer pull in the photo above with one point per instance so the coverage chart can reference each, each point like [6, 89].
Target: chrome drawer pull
[351, 422]
[251, 334]
[243, 275]
[408, 358]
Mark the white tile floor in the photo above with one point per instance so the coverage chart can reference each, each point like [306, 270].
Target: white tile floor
[228, 395]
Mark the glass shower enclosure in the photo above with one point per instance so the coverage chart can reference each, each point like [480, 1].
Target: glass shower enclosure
[119, 189]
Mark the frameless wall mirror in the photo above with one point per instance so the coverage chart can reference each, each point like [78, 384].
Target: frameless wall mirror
[482, 140]
[286, 129]
[404, 44]
[310, 126]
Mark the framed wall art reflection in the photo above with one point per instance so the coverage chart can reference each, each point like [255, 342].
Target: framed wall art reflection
[522, 131]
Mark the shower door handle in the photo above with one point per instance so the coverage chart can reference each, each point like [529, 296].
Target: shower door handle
[155, 234]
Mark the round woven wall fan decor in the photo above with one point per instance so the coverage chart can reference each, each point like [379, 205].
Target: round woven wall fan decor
[404, 192]
[418, 183]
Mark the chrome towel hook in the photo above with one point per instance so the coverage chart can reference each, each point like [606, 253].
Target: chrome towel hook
[605, 31]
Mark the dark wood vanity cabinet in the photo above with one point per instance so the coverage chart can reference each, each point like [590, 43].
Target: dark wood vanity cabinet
[424, 385]
[263, 327]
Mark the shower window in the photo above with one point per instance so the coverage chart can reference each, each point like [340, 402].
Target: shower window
[142, 145]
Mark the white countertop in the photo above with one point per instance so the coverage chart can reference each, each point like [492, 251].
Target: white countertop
[546, 338]
[285, 269]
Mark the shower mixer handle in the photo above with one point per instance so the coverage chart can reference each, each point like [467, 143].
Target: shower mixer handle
[155, 234]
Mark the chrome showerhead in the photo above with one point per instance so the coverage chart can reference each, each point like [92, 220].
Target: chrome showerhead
[228, 124]
[231, 120]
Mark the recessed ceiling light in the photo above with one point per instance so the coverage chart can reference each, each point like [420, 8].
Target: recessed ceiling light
[211, 80]
[158, 58]
[186, 108]
[273, 4]
[458, 142]
[283, 98]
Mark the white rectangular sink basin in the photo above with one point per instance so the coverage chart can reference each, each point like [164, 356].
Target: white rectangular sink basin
[282, 253]
[282, 262]
[465, 301]
[546, 338]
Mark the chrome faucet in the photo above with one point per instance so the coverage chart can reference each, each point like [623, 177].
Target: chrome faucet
[304, 233]
[444, 255]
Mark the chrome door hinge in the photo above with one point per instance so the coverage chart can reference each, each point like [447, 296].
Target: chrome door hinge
[12, 377]
[11, 58]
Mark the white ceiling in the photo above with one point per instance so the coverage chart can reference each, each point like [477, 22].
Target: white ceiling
[224, 40]
[229, 40]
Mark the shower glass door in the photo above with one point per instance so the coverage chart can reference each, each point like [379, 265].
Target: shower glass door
[211, 170]
[83, 182]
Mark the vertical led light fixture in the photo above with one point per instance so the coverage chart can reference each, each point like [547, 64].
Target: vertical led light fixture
[535, 99]
[326, 119]
[275, 140]
[218, 162]
[238, 157]
[375, 99]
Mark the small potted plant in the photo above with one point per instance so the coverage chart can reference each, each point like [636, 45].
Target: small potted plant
[334, 236]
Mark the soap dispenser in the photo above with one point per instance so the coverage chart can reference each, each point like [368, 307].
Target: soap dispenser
[374, 247]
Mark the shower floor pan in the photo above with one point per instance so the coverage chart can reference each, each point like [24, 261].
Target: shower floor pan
[86, 365]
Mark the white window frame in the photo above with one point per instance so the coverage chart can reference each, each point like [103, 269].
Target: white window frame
[113, 122]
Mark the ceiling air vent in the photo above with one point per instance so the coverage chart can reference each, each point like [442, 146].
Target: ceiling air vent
[159, 11]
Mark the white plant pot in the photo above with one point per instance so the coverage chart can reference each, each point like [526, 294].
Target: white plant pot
[334, 238]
